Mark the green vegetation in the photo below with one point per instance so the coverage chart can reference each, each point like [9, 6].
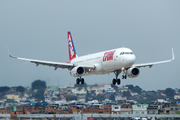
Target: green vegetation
[112, 97]
[177, 112]
[4, 89]
[126, 94]
[135, 89]
[17, 118]
[20, 89]
[100, 97]
[169, 92]
[71, 97]
[115, 87]
[80, 85]
[40, 86]
[145, 101]
[39, 95]
[91, 95]
[10, 101]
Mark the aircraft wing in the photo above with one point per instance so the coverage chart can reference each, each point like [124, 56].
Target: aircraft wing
[154, 63]
[56, 65]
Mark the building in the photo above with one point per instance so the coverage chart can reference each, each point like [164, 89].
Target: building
[177, 96]
[126, 108]
[12, 96]
[152, 109]
[115, 109]
[139, 109]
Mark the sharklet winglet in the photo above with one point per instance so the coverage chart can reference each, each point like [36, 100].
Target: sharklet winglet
[10, 54]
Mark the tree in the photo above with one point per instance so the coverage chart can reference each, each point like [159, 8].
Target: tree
[90, 95]
[71, 97]
[131, 87]
[10, 101]
[137, 89]
[100, 97]
[39, 95]
[4, 89]
[80, 85]
[20, 89]
[112, 97]
[38, 84]
[103, 91]
[127, 94]
[115, 87]
[169, 92]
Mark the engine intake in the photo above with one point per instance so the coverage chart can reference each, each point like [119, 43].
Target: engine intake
[77, 71]
[133, 72]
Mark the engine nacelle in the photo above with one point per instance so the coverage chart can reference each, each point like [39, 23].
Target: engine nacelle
[133, 72]
[77, 71]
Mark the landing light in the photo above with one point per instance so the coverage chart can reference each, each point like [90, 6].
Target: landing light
[90, 70]
[122, 68]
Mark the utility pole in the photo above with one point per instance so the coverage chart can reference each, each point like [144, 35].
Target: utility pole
[82, 113]
[91, 110]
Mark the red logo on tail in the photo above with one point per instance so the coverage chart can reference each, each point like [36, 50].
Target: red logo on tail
[72, 52]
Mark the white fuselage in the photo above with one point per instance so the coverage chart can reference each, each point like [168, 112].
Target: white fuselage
[107, 61]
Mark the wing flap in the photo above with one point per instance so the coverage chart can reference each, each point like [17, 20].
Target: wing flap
[47, 63]
[56, 65]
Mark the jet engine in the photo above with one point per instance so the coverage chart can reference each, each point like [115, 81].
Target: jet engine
[133, 72]
[77, 71]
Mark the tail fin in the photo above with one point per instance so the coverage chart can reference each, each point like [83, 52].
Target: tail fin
[71, 48]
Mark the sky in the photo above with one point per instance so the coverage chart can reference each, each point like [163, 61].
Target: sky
[37, 29]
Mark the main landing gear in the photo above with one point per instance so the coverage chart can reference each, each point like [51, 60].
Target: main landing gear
[116, 80]
[78, 80]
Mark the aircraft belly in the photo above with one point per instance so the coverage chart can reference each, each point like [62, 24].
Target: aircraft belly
[96, 73]
[109, 66]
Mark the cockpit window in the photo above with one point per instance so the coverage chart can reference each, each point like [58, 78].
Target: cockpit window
[126, 53]
[122, 53]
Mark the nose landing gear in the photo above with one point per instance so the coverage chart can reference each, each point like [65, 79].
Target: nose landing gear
[124, 76]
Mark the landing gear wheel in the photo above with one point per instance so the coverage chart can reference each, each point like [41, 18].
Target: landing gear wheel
[77, 81]
[124, 76]
[114, 81]
[82, 81]
[118, 81]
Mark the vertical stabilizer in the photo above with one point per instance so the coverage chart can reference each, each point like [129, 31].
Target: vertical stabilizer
[71, 47]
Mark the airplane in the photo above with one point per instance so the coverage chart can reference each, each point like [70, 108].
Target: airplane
[109, 61]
